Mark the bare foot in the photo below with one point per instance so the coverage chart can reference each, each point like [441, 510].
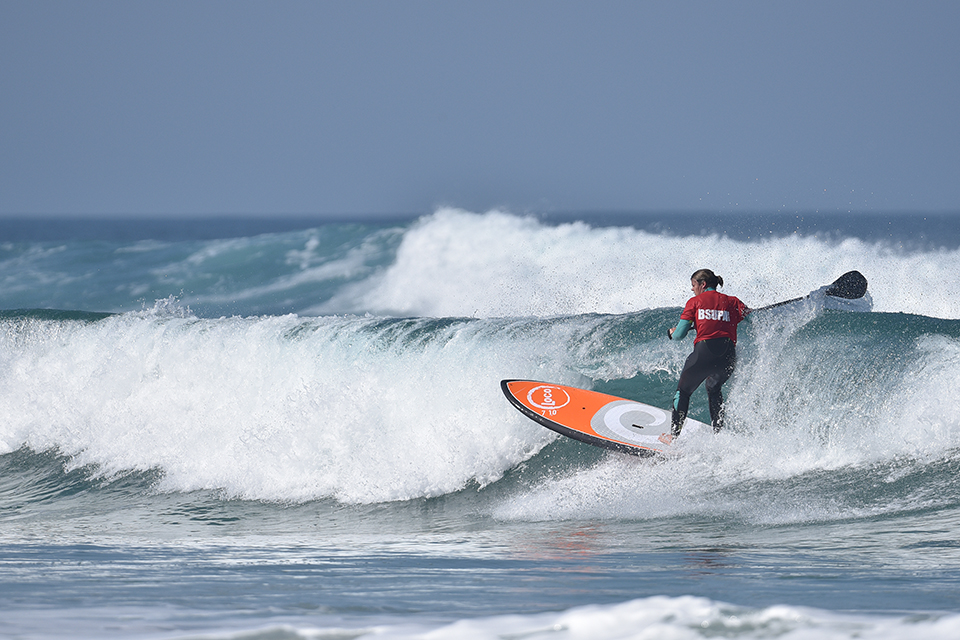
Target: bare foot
[665, 438]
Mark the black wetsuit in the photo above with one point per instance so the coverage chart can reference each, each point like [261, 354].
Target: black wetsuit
[714, 317]
[712, 361]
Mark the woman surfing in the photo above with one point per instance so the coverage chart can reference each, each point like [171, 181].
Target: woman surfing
[714, 317]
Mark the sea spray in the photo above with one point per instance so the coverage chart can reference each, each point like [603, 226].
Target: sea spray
[496, 264]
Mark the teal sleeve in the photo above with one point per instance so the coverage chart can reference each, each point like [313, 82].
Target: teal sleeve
[682, 327]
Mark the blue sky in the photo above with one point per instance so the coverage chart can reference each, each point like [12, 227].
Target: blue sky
[340, 108]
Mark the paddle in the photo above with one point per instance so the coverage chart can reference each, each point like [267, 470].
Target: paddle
[850, 286]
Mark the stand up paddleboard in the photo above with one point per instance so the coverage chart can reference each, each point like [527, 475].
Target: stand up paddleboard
[595, 418]
[624, 425]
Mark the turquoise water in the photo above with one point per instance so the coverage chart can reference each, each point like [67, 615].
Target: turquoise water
[301, 434]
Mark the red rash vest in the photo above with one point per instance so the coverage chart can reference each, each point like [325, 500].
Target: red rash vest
[714, 315]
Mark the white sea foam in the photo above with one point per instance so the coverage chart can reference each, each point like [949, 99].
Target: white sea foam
[272, 408]
[676, 618]
[691, 618]
[455, 263]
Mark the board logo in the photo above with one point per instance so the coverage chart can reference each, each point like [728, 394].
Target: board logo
[548, 398]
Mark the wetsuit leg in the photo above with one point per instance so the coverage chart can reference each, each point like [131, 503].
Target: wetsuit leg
[681, 404]
[713, 361]
[715, 399]
[693, 374]
[726, 360]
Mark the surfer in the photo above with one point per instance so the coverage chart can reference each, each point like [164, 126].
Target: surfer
[714, 317]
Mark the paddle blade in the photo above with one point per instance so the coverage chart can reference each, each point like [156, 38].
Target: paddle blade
[851, 285]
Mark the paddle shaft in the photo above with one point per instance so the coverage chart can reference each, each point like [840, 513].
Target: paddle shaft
[778, 304]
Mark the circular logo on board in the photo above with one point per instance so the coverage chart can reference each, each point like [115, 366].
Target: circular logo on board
[548, 397]
[626, 420]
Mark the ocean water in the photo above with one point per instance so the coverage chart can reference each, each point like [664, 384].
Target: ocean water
[293, 428]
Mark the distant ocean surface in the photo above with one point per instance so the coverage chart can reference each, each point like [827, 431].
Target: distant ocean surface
[293, 428]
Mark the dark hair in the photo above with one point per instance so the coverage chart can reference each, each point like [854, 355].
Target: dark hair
[707, 277]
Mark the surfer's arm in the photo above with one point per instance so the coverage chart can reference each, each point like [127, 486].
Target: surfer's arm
[679, 331]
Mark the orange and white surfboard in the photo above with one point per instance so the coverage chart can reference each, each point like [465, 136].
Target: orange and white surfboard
[595, 418]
